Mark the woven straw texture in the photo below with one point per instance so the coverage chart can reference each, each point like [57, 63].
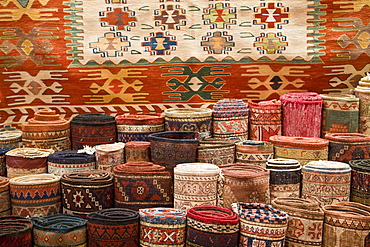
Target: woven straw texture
[109, 155]
[216, 151]
[362, 91]
[62, 162]
[10, 137]
[5, 205]
[254, 152]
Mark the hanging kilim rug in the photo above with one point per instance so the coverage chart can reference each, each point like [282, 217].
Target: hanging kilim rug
[121, 56]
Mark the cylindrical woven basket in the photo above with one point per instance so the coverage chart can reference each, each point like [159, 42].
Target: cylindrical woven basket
[3, 152]
[5, 205]
[346, 224]
[345, 147]
[195, 184]
[47, 130]
[328, 181]
[189, 119]
[302, 114]
[59, 230]
[261, 225]
[303, 149]
[362, 92]
[264, 119]
[216, 151]
[62, 162]
[10, 137]
[137, 127]
[162, 227]
[84, 192]
[25, 161]
[16, 231]
[142, 185]
[92, 129]
[231, 119]
[212, 226]
[254, 152]
[340, 114]
[306, 219]
[360, 177]
[136, 151]
[243, 183]
[35, 195]
[115, 227]
[170, 148]
[285, 178]
[109, 155]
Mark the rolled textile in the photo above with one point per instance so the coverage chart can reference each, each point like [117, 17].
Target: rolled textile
[340, 113]
[265, 119]
[195, 184]
[109, 155]
[92, 129]
[285, 178]
[170, 148]
[137, 151]
[244, 183]
[5, 205]
[303, 149]
[254, 152]
[362, 92]
[216, 151]
[25, 161]
[189, 119]
[212, 226]
[3, 152]
[47, 130]
[84, 192]
[59, 230]
[302, 114]
[162, 227]
[62, 162]
[137, 127]
[35, 195]
[306, 220]
[261, 225]
[230, 119]
[360, 177]
[16, 231]
[346, 224]
[142, 185]
[10, 137]
[113, 227]
[344, 147]
[328, 181]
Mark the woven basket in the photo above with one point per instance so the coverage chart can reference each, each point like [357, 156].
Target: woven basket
[340, 114]
[265, 119]
[47, 130]
[306, 219]
[10, 137]
[362, 91]
[59, 230]
[136, 151]
[360, 177]
[114, 227]
[25, 161]
[346, 224]
[195, 184]
[137, 127]
[261, 225]
[5, 205]
[16, 231]
[216, 151]
[254, 152]
[328, 181]
[62, 162]
[344, 147]
[109, 155]
[84, 192]
[92, 129]
[162, 227]
[140, 185]
[212, 226]
[35, 195]
[303, 149]
[3, 152]
[243, 183]
[285, 178]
